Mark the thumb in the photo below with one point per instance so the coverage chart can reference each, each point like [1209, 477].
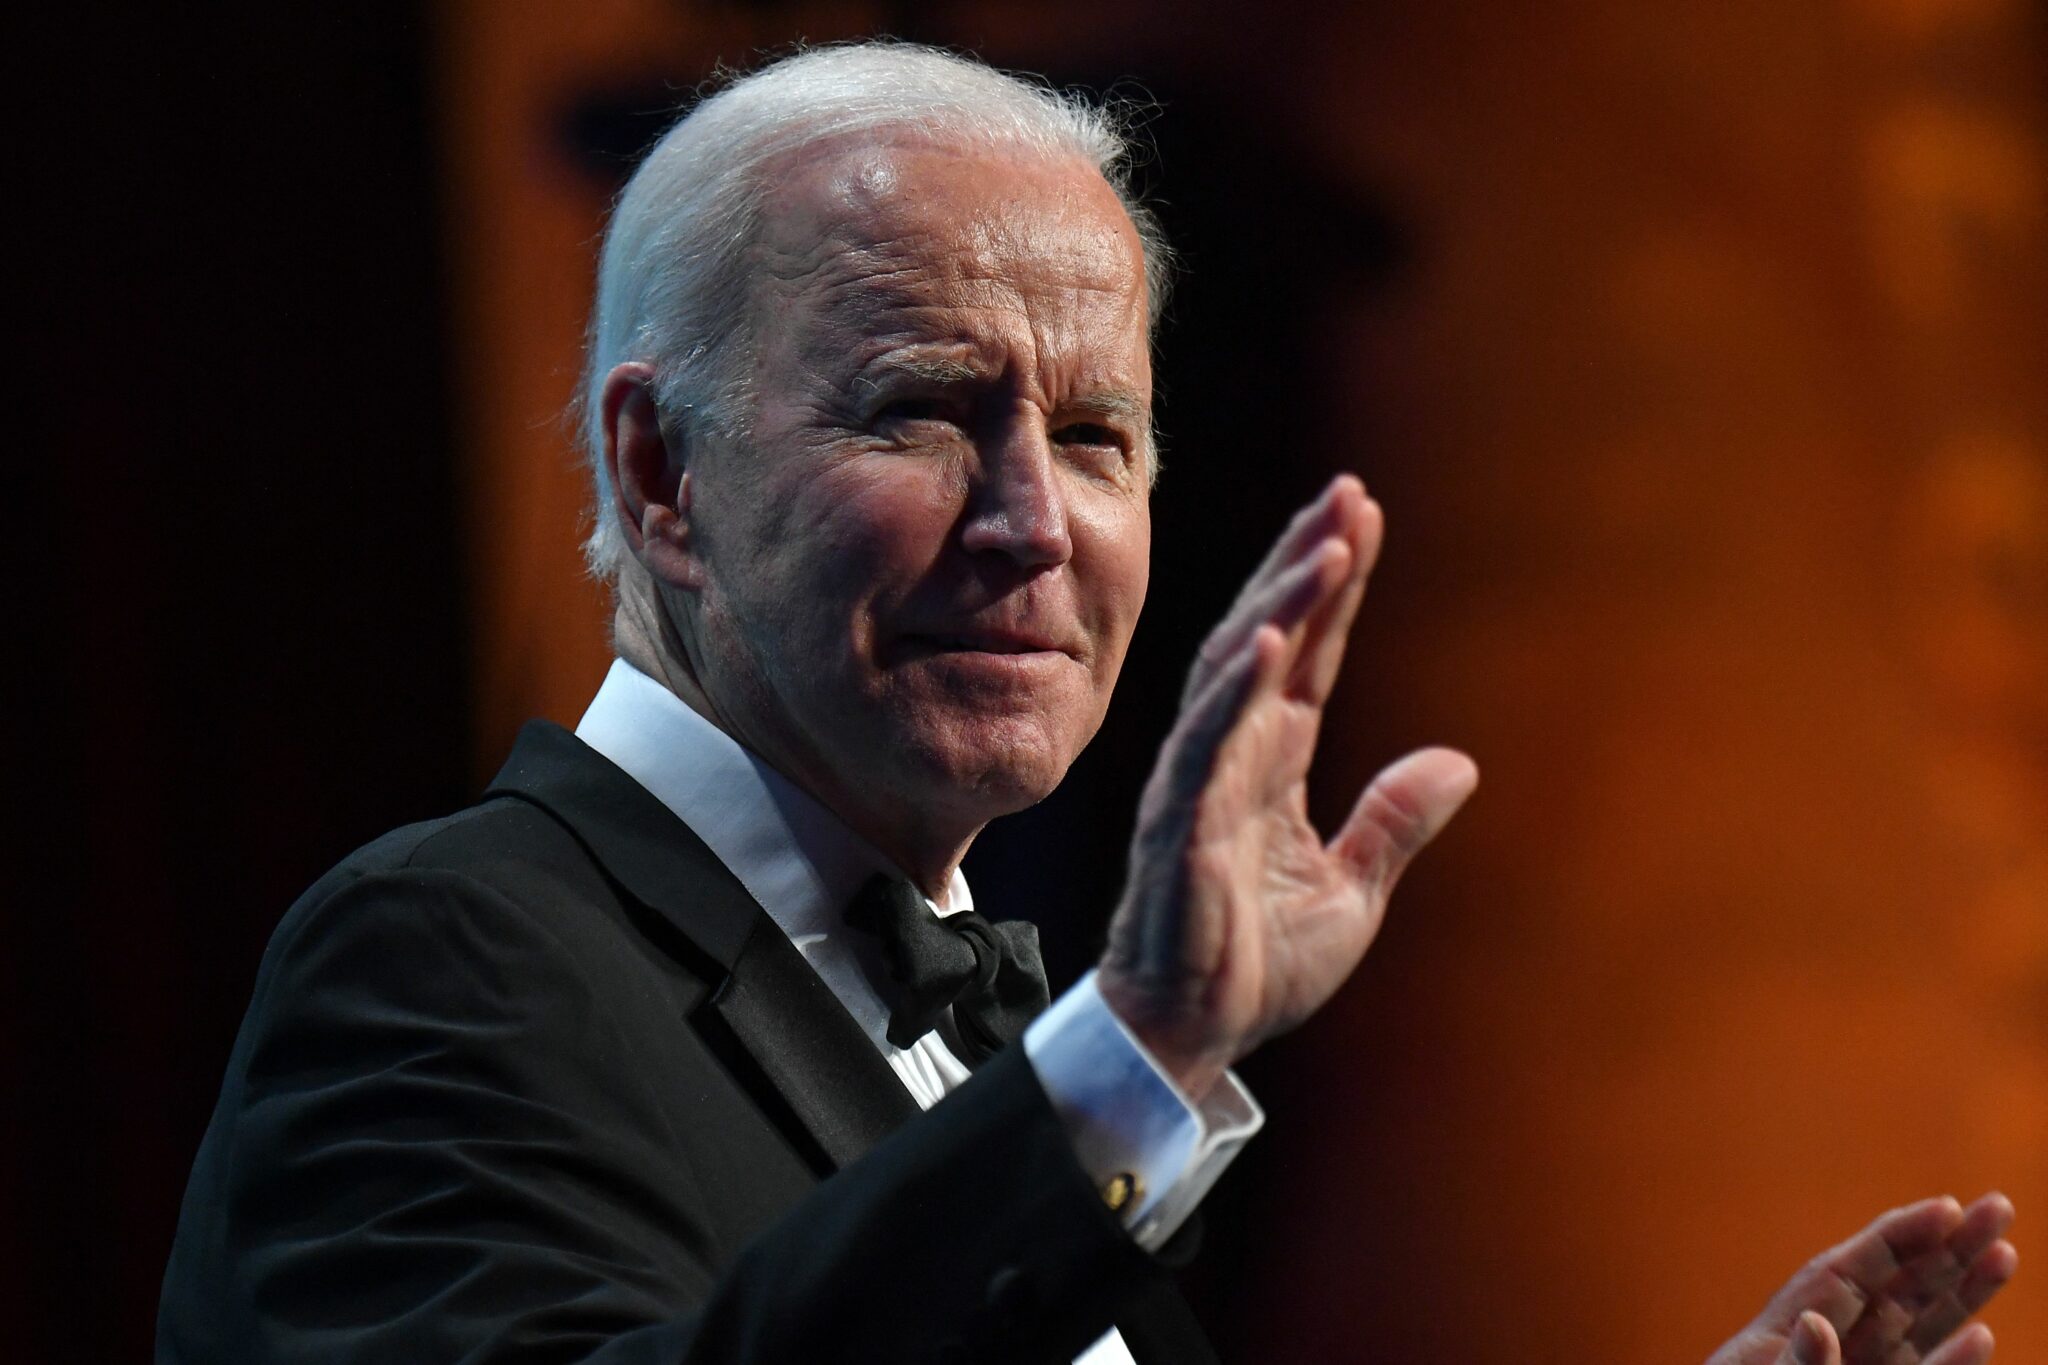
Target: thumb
[1813, 1342]
[1401, 810]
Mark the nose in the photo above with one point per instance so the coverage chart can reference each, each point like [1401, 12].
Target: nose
[1017, 506]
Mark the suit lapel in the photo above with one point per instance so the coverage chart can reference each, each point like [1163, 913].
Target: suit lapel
[782, 1031]
[766, 1005]
[824, 1068]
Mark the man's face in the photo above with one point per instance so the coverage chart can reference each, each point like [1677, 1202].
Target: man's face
[923, 569]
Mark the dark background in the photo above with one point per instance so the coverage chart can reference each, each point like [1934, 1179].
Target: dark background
[250, 652]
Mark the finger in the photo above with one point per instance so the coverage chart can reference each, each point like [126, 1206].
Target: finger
[1984, 1222]
[1982, 1279]
[1971, 1347]
[1926, 1280]
[1988, 1274]
[1198, 736]
[1812, 1342]
[1940, 1317]
[1318, 520]
[1285, 601]
[1328, 633]
[1878, 1333]
[1841, 1282]
[1313, 524]
[1173, 799]
[1873, 1265]
[1930, 1278]
[1401, 810]
[1322, 520]
[1872, 1259]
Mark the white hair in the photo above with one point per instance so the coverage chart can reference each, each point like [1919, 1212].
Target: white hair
[672, 279]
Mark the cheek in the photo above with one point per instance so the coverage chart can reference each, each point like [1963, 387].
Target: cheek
[882, 522]
[849, 543]
[1117, 542]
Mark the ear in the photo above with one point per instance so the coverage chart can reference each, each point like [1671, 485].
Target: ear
[650, 485]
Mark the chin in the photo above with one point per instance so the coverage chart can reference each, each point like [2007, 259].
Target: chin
[996, 766]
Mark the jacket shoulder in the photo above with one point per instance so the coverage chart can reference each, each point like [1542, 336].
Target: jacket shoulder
[502, 841]
[507, 851]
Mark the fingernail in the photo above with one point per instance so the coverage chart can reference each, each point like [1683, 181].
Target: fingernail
[1809, 1339]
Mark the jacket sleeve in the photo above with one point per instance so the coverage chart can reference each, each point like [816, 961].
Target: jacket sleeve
[434, 1145]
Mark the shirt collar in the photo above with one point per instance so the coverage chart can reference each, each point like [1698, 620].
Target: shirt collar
[794, 856]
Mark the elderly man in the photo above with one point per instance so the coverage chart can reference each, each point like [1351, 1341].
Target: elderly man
[632, 1062]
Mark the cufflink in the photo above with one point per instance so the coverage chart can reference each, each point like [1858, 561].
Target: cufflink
[1122, 1190]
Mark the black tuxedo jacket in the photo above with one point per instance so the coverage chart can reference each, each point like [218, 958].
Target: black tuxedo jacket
[541, 1082]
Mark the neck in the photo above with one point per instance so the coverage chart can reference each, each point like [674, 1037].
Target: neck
[645, 635]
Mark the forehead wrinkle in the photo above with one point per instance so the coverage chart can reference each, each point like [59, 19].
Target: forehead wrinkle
[836, 276]
[868, 327]
[849, 195]
[867, 281]
[855, 266]
[847, 303]
[866, 339]
[994, 251]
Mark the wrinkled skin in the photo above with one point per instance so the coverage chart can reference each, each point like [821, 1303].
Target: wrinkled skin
[1240, 919]
[1897, 1293]
[912, 587]
[913, 590]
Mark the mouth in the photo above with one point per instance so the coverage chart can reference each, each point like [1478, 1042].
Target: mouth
[984, 644]
[999, 642]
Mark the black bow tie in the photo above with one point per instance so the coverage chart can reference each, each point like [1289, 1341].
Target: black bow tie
[990, 973]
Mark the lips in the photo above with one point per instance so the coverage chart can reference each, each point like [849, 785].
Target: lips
[993, 644]
[983, 641]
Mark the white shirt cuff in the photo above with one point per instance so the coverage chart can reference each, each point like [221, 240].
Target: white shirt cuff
[1127, 1118]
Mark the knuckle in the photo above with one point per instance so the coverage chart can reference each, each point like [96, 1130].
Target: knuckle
[1405, 822]
[1218, 646]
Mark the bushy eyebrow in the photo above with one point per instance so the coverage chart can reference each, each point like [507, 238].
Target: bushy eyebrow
[1103, 402]
[1110, 403]
[931, 371]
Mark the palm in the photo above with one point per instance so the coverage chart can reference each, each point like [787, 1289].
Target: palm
[1240, 920]
[1291, 917]
[1894, 1294]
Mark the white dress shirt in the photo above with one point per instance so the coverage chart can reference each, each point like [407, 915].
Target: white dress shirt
[803, 865]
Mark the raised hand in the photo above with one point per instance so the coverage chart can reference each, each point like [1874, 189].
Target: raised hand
[1894, 1294]
[1239, 920]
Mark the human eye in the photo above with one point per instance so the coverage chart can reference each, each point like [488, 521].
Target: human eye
[912, 421]
[1096, 444]
[1088, 434]
[902, 410]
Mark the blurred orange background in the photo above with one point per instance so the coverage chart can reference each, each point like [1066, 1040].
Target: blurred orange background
[1712, 420]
